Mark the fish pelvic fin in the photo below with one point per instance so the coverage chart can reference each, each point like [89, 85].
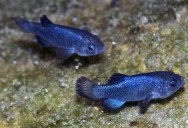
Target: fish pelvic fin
[23, 24]
[145, 102]
[84, 88]
[45, 21]
[42, 42]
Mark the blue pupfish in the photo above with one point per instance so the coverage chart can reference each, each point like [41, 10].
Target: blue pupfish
[67, 40]
[123, 88]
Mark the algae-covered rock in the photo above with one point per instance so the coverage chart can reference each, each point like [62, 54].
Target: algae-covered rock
[38, 90]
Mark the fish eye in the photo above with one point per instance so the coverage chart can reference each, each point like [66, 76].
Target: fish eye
[173, 84]
[91, 47]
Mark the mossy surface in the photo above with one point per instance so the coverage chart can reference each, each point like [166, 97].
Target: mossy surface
[38, 90]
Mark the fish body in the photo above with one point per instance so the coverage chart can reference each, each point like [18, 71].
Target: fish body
[67, 40]
[113, 3]
[123, 88]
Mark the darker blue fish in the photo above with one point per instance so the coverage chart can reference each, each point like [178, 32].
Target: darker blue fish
[123, 88]
[67, 40]
[114, 3]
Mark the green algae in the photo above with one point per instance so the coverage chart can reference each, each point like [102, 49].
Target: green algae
[38, 90]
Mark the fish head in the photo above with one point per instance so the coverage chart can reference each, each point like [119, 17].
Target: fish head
[172, 83]
[91, 45]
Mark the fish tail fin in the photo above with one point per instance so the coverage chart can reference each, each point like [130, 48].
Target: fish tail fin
[84, 88]
[23, 24]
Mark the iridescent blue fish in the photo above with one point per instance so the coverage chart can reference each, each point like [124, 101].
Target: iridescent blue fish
[123, 88]
[67, 40]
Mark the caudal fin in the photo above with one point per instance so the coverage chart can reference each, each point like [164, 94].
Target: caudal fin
[84, 88]
[23, 24]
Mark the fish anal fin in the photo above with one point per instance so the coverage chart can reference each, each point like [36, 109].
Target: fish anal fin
[144, 103]
[116, 78]
[64, 53]
[42, 42]
[112, 104]
[45, 21]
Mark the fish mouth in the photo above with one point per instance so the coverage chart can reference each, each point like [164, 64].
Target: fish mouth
[182, 81]
[102, 50]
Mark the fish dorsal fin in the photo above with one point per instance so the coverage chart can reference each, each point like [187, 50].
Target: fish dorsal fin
[45, 21]
[116, 78]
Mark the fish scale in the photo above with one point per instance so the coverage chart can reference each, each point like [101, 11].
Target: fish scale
[122, 88]
[67, 40]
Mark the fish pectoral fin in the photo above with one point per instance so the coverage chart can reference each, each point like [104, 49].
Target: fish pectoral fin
[64, 53]
[45, 21]
[112, 104]
[42, 42]
[116, 78]
[144, 103]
